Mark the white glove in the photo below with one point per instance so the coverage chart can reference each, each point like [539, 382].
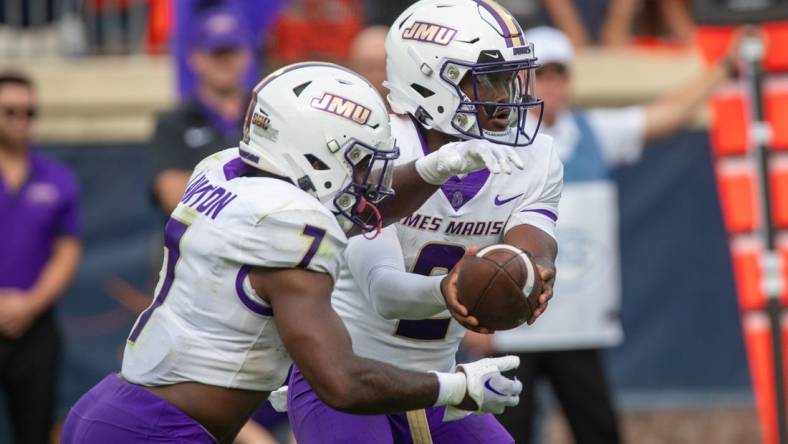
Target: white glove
[492, 391]
[484, 383]
[278, 399]
[466, 157]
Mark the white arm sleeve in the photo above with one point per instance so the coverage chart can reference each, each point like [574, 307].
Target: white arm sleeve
[378, 268]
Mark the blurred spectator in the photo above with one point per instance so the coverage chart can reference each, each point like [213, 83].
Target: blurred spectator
[115, 26]
[41, 249]
[252, 20]
[211, 121]
[659, 20]
[616, 22]
[565, 346]
[368, 56]
[582, 21]
[315, 30]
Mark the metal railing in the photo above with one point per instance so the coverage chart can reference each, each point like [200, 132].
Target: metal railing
[50, 28]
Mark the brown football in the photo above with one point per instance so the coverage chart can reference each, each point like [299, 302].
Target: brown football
[500, 286]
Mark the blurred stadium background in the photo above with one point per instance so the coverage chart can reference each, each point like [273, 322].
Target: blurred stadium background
[104, 69]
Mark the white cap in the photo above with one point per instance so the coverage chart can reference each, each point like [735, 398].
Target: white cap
[551, 46]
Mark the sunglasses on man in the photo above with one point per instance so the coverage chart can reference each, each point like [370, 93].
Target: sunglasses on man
[18, 113]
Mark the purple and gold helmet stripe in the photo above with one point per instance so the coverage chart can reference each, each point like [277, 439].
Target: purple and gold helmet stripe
[512, 31]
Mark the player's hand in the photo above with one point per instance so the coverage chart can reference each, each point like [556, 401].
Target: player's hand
[457, 310]
[466, 157]
[487, 390]
[547, 273]
[17, 313]
[474, 155]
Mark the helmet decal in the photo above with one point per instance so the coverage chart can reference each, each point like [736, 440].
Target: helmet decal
[429, 33]
[342, 107]
[512, 32]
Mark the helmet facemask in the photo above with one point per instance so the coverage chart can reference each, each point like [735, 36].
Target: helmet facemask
[496, 99]
[368, 184]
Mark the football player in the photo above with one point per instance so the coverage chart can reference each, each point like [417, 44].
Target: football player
[251, 254]
[456, 69]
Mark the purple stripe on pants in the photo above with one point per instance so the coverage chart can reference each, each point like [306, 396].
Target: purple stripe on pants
[314, 422]
[117, 412]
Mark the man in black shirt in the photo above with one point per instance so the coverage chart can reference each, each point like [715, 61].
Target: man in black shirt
[211, 120]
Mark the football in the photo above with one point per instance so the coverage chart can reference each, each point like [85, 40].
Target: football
[500, 286]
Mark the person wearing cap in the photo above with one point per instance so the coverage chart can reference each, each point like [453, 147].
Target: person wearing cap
[210, 121]
[40, 250]
[565, 346]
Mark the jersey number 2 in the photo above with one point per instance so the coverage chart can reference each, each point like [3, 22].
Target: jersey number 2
[173, 232]
[432, 257]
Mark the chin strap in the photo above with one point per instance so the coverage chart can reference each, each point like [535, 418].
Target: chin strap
[362, 205]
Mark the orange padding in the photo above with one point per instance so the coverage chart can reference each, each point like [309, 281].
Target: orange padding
[776, 38]
[776, 110]
[159, 26]
[778, 185]
[759, 352]
[738, 199]
[746, 253]
[729, 132]
[715, 41]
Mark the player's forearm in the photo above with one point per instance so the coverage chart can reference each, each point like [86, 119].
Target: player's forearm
[372, 387]
[411, 192]
[398, 294]
[542, 246]
[57, 273]
[672, 111]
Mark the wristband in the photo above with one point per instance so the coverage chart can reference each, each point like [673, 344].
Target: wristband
[451, 388]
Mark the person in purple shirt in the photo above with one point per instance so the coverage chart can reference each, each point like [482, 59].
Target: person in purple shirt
[40, 250]
[220, 54]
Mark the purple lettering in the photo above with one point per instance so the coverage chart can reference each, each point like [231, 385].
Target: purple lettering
[213, 197]
[220, 204]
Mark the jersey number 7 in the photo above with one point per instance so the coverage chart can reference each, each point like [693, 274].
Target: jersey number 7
[173, 232]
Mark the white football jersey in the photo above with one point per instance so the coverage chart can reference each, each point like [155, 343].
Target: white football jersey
[476, 210]
[206, 324]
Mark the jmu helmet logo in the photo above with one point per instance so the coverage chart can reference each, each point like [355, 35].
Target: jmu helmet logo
[342, 107]
[430, 33]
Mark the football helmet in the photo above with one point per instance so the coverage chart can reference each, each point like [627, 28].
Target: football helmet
[464, 68]
[325, 129]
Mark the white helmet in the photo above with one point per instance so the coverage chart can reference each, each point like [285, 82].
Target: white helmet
[326, 129]
[437, 45]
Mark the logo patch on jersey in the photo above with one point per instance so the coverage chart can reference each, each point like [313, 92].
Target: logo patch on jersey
[457, 199]
[342, 107]
[429, 33]
[499, 202]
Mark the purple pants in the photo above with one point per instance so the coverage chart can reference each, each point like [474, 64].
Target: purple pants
[313, 422]
[117, 412]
